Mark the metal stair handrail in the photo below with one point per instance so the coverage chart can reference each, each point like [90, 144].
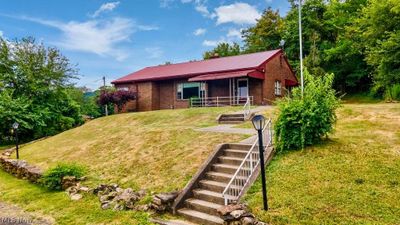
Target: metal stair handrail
[246, 108]
[242, 176]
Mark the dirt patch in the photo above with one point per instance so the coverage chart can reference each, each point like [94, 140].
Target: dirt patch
[13, 215]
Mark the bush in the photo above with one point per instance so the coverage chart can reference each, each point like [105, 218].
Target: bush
[52, 178]
[118, 97]
[393, 93]
[304, 121]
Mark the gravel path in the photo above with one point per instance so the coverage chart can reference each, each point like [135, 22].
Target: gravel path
[13, 215]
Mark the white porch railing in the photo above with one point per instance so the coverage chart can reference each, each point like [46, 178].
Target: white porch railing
[220, 101]
[248, 166]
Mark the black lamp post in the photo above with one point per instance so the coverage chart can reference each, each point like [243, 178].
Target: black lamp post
[15, 129]
[258, 123]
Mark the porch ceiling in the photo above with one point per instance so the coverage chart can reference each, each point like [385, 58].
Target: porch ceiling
[225, 75]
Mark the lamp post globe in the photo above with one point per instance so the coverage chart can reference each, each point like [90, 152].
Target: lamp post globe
[15, 126]
[258, 122]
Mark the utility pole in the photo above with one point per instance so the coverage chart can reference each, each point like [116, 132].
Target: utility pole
[301, 51]
[104, 91]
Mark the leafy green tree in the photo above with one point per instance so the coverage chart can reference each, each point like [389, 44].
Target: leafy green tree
[223, 50]
[345, 57]
[33, 89]
[266, 34]
[86, 101]
[380, 31]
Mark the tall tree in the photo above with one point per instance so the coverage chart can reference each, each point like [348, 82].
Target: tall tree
[35, 79]
[266, 34]
[345, 56]
[380, 31]
[223, 50]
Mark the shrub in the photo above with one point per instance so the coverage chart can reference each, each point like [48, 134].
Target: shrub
[393, 92]
[52, 178]
[303, 121]
[118, 97]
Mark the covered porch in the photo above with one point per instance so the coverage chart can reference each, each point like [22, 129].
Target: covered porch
[227, 89]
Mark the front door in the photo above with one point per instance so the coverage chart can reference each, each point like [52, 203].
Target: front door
[242, 90]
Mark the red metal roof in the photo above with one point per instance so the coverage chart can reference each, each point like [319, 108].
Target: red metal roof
[196, 68]
[217, 76]
[291, 82]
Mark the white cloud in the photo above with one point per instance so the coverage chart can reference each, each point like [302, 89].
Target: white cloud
[268, 1]
[200, 31]
[147, 27]
[234, 33]
[100, 37]
[166, 3]
[154, 52]
[214, 43]
[109, 6]
[1, 33]
[204, 11]
[238, 13]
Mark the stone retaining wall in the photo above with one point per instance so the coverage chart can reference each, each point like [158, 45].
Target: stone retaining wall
[21, 169]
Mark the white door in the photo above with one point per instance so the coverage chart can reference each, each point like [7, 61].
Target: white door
[242, 90]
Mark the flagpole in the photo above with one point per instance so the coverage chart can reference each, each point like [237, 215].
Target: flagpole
[301, 51]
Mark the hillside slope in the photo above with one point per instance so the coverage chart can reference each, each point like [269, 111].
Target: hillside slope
[353, 178]
[156, 150]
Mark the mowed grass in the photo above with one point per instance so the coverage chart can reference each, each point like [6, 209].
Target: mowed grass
[57, 205]
[352, 178]
[157, 151]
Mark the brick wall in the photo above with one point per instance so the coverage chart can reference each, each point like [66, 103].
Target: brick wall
[276, 69]
[145, 96]
[166, 94]
[218, 88]
[255, 90]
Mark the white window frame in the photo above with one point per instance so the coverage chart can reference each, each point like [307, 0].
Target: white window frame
[278, 88]
[180, 89]
[123, 88]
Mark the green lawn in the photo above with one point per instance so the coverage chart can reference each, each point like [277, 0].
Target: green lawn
[157, 151]
[353, 178]
[147, 150]
[4, 147]
[38, 200]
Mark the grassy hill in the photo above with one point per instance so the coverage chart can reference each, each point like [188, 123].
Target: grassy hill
[352, 178]
[156, 150]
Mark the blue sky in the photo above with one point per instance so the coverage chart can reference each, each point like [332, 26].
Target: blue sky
[114, 38]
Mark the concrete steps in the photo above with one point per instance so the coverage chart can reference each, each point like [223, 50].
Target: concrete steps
[231, 118]
[201, 207]
[200, 217]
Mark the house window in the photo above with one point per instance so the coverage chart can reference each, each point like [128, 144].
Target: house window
[123, 89]
[190, 90]
[278, 88]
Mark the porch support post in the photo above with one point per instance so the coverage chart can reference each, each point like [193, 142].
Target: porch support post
[230, 91]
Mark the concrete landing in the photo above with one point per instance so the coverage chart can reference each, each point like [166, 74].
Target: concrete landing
[228, 128]
[170, 222]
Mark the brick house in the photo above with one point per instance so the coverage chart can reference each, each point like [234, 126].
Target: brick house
[257, 77]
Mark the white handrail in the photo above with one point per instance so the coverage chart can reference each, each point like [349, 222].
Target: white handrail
[248, 166]
[246, 108]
